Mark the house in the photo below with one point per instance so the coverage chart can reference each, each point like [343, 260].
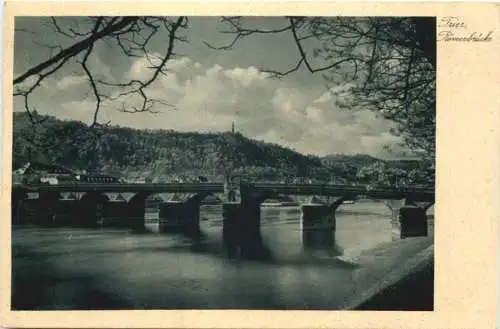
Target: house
[37, 172]
[39, 167]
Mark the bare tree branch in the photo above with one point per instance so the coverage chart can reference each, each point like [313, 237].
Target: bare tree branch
[89, 73]
[240, 32]
[75, 49]
[389, 60]
[140, 87]
[132, 35]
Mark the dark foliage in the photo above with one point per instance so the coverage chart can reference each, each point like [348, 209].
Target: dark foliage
[167, 154]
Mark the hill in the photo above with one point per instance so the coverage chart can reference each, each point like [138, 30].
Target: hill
[166, 153]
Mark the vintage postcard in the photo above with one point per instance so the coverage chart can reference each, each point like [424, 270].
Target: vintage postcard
[292, 165]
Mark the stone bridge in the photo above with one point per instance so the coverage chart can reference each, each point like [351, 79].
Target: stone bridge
[241, 208]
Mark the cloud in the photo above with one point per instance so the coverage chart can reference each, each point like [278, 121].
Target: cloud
[339, 92]
[178, 64]
[210, 98]
[71, 81]
[246, 76]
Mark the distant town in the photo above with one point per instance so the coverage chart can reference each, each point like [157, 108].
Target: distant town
[34, 173]
[40, 173]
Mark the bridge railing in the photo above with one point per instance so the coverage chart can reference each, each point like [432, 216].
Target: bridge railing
[132, 187]
[216, 187]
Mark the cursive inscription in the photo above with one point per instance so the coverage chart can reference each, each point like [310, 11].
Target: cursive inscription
[454, 29]
[453, 22]
[470, 37]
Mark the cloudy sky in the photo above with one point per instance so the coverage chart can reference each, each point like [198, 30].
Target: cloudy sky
[210, 89]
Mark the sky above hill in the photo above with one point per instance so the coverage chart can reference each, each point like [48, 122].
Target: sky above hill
[210, 89]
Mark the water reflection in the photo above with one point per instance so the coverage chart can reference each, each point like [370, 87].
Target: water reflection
[69, 268]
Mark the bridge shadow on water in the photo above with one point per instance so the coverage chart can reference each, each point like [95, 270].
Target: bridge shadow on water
[106, 269]
[49, 280]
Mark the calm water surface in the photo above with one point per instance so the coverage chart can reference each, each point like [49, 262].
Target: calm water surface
[69, 268]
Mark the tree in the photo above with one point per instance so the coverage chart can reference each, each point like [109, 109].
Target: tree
[131, 34]
[389, 63]
[391, 174]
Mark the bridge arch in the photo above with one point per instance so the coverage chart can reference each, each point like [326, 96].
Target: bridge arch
[94, 197]
[320, 213]
[406, 214]
[159, 212]
[137, 203]
[90, 207]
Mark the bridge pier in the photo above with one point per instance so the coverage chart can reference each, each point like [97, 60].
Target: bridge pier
[176, 217]
[168, 218]
[408, 218]
[317, 224]
[250, 239]
[191, 222]
[412, 222]
[251, 243]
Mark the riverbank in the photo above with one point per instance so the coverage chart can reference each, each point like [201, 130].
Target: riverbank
[395, 276]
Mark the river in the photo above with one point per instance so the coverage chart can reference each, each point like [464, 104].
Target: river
[97, 269]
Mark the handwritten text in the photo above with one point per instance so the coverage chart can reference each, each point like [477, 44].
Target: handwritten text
[455, 29]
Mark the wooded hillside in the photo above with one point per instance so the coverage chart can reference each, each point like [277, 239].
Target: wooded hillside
[165, 154]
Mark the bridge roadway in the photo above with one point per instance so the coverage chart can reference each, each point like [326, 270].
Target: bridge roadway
[416, 194]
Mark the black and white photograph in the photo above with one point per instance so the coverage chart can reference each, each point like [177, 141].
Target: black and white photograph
[223, 163]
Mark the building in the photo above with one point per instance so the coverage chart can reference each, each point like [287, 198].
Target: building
[97, 178]
[32, 167]
[37, 172]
